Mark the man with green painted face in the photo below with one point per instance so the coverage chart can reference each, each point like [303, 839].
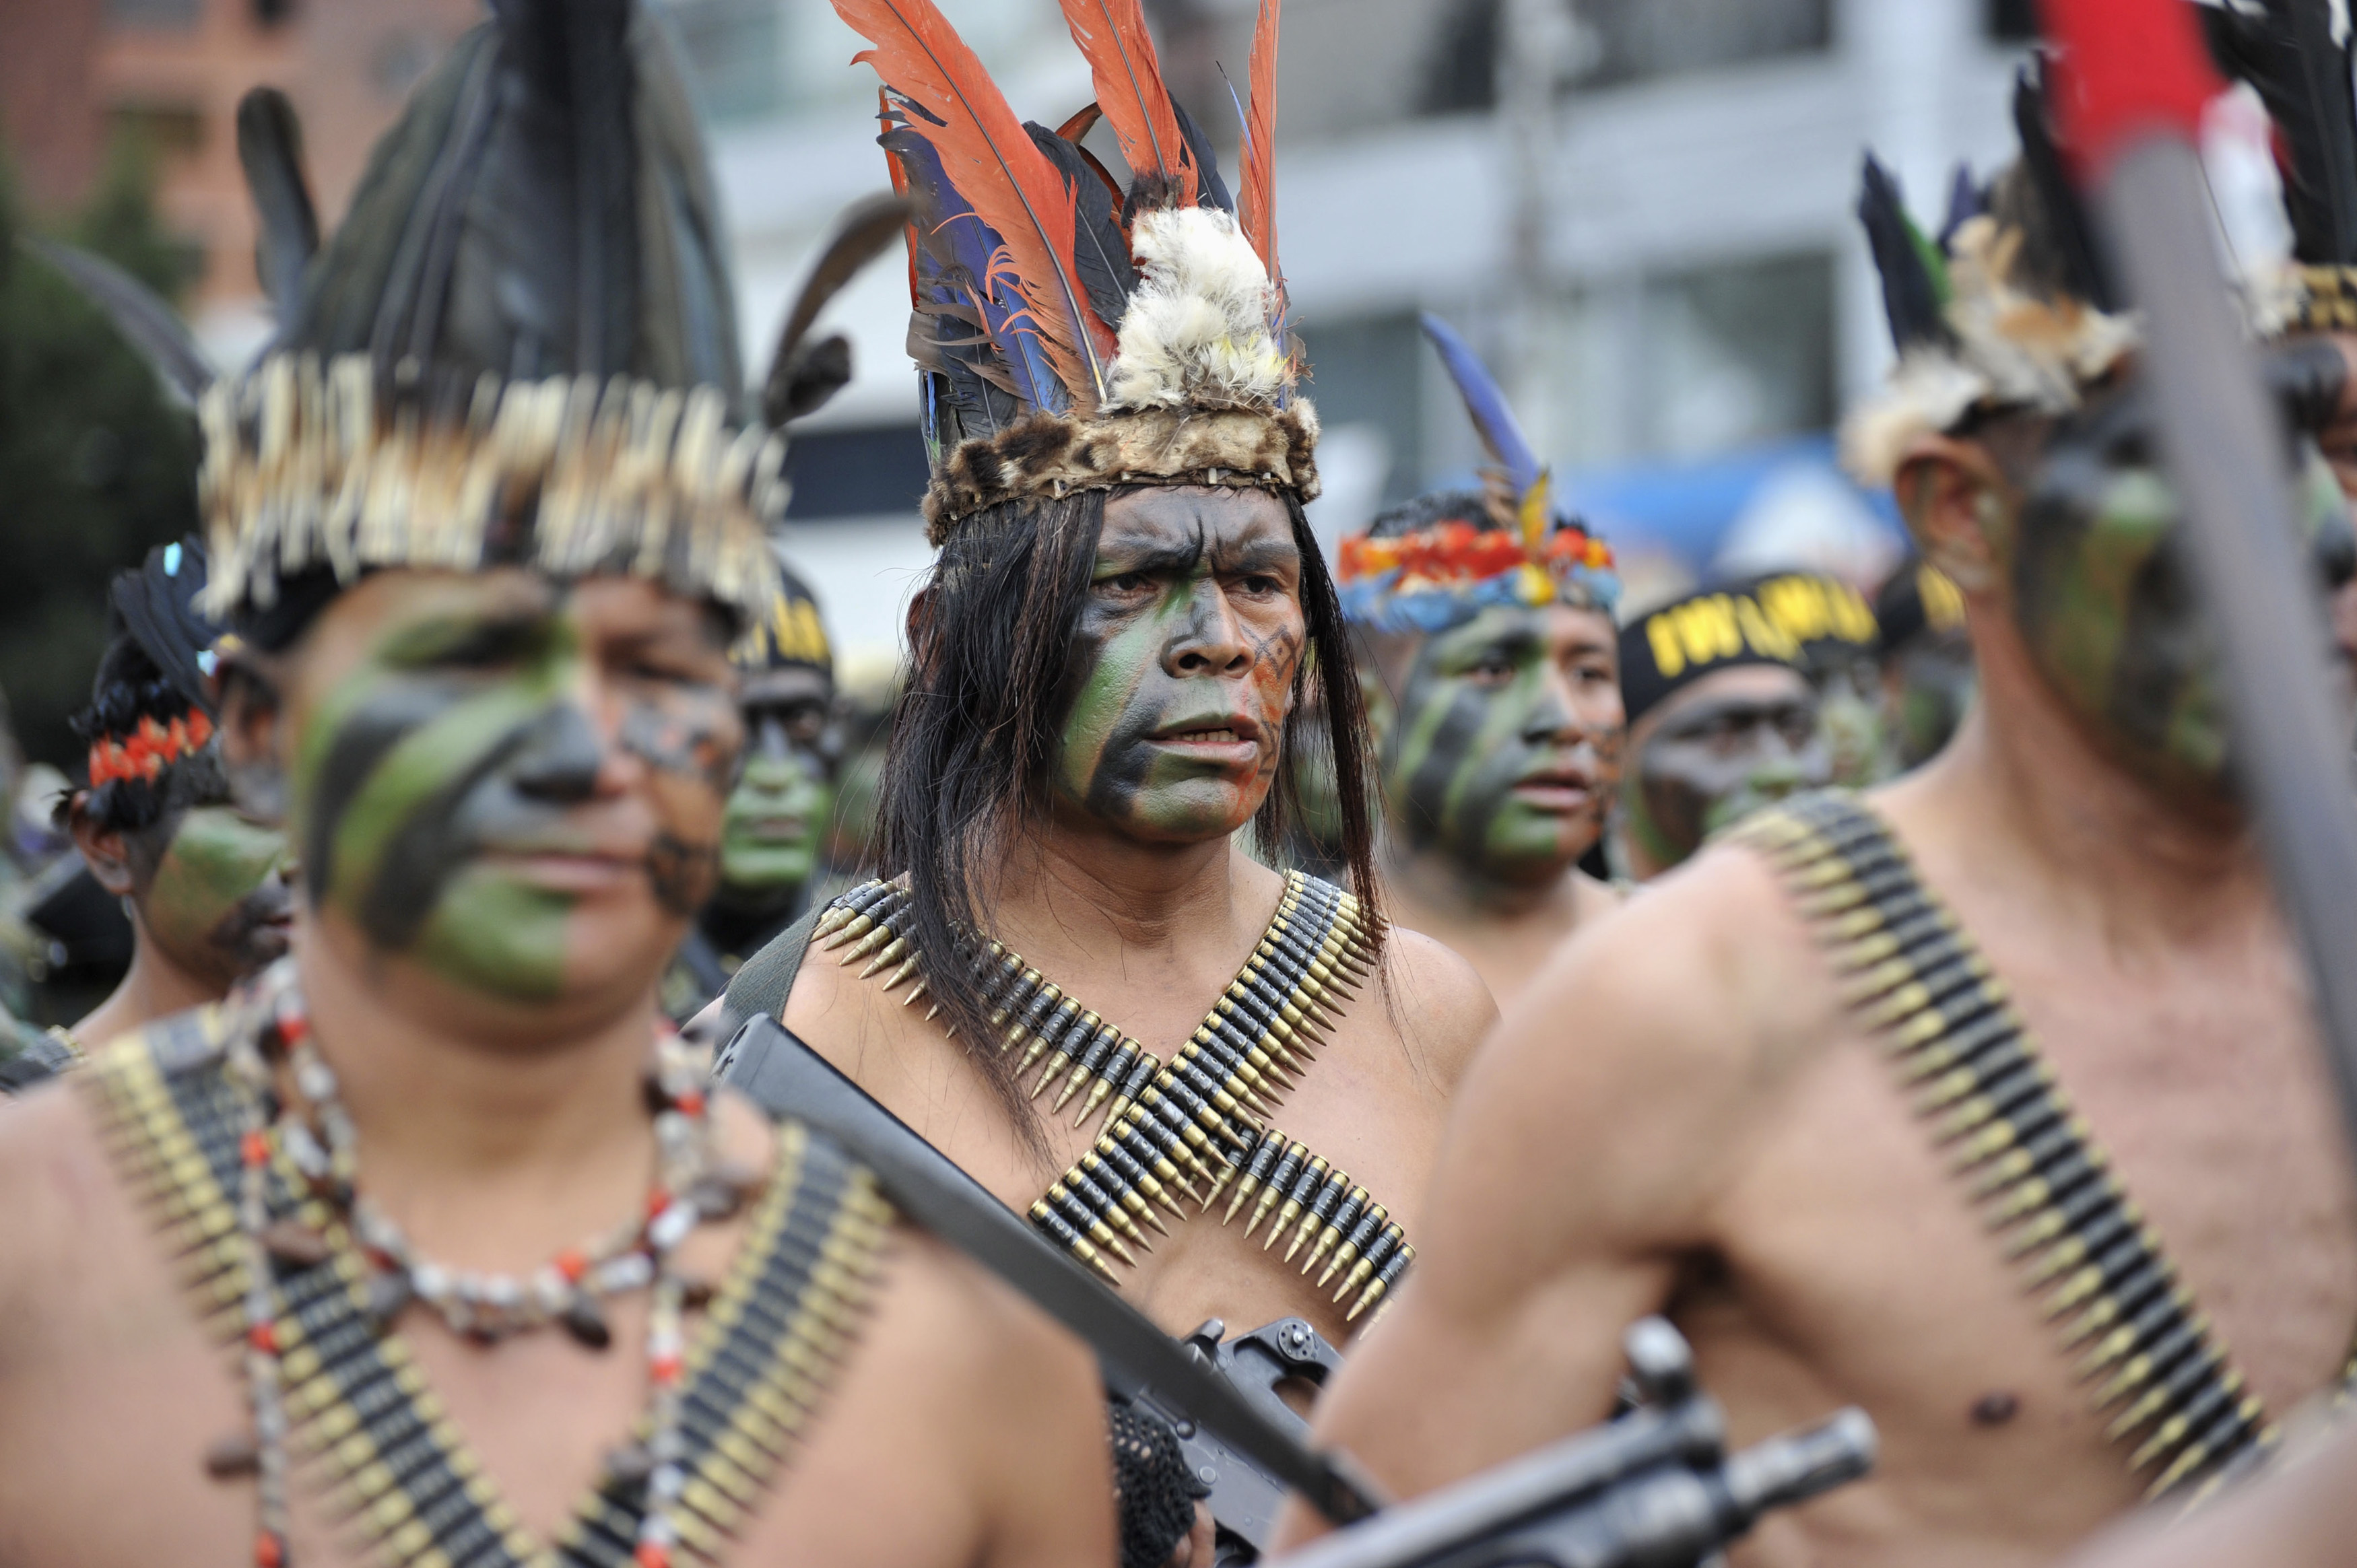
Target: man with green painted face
[206, 890]
[1991, 1100]
[1215, 1084]
[440, 1203]
[779, 813]
[1722, 721]
[1483, 621]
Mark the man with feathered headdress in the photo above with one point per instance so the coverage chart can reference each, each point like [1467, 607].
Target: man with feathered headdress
[206, 890]
[1482, 620]
[1124, 1017]
[1989, 1100]
[440, 1203]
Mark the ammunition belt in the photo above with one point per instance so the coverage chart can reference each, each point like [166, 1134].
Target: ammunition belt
[2159, 1375]
[1196, 1119]
[794, 1299]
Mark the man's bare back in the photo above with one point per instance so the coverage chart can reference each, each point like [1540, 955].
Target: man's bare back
[1372, 1103]
[103, 1358]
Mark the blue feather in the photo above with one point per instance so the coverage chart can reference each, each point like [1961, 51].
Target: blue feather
[1487, 405]
[953, 268]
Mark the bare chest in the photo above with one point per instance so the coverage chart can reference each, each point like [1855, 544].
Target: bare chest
[1163, 1197]
[1862, 1264]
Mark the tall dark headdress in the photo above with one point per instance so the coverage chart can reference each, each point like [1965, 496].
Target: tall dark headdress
[2008, 306]
[521, 347]
[2297, 54]
[1072, 333]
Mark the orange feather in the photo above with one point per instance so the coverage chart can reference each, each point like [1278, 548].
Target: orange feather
[1256, 208]
[1112, 33]
[1005, 178]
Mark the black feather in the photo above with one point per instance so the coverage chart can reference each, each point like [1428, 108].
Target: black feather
[150, 326]
[867, 227]
[2061, 251]
[543, 207]
[156, 607]
[1966, 202]
[1100, 250]
[269, 147]
[2287, 55]
[1910, 296]
[821, 367]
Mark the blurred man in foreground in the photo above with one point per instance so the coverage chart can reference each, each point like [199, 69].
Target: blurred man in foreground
[1990, 1103]
[485, 1247]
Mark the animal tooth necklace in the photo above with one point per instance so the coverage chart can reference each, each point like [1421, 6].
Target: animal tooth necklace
[313, 1132]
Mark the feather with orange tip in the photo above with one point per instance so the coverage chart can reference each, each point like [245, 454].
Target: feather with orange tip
[1256, 208]
[1112, 33]
[1009, 183]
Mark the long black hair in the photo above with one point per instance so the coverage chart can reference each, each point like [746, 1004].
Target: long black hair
[975, 731]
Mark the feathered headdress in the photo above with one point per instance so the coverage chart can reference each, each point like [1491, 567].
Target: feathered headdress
[521, 347]
[2296, 55]
[1073, 334]
[138, 726]
[2010, 306]
[1427, 577]
[791, 632]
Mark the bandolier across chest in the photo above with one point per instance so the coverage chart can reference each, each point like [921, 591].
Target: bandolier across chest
[1194, 1126]
[2157, 1371]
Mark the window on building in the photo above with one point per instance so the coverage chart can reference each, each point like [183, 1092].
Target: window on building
[177, 14]
[877, 471]
[735, 52]
[1738, 353]
[1369, 370]
[2012, 21]
[1621, 41]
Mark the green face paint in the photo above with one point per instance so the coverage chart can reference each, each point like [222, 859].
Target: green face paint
[446, 790]
[1506, 749]
[2104, 602]
[776, 818]
[1183, 665]
[216, 903]
[1718, 750]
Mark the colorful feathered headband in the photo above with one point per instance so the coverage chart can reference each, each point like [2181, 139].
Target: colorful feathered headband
[2009, 307]
[1071, 335]
[1424, 580]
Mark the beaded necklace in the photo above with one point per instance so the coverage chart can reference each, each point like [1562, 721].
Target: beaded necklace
[312, 1131]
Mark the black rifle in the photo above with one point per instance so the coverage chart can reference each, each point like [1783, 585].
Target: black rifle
[1245, 1497]
[1236, 1426]
[1655, 1488]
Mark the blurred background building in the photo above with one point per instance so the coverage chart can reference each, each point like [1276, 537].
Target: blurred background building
[1639, 208]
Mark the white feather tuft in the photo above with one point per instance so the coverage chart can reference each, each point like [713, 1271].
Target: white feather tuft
[1196, 333]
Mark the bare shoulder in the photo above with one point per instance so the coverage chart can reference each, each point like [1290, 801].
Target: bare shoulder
[1635, 1062]
[1441, 1005]
[967, 1430]
[59, 1186]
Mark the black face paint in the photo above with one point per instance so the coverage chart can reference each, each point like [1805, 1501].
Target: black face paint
[1719, 750]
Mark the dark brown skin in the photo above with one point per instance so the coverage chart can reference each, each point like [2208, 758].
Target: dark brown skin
[1714, 1135]
[497, 1134]
[1134, 901]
